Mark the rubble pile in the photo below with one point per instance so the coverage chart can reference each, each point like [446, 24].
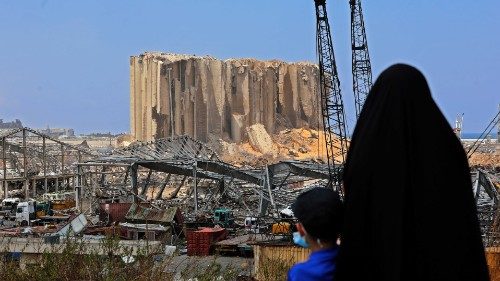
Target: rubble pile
[290, 144]
[260, 140]
[486, 160]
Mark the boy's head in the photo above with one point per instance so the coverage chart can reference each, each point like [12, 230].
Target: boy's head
[320, 212]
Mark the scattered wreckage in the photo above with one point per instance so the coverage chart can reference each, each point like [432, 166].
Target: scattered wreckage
[176, 193]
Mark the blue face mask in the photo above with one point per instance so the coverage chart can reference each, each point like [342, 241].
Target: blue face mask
[300, 240]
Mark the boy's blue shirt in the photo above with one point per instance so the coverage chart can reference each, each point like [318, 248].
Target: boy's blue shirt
[320, 266]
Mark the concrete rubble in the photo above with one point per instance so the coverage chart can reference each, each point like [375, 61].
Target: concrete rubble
[289, 144]
[261, 140]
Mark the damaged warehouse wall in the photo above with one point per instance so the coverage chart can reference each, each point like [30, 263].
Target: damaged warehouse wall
[207, 98]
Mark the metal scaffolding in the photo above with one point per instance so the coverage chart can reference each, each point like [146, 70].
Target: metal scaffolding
[487, 197]
[144, 172]
[33, 163]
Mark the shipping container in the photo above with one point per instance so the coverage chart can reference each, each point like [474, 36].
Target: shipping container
[113, 212]
[200, 242]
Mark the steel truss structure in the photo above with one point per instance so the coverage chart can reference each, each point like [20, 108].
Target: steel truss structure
[33, 163]
[144, 172]
[332, 104]
[361, 65]
[487, 197]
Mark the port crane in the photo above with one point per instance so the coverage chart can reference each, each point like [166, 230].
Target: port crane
[361, 65]
[332, 106]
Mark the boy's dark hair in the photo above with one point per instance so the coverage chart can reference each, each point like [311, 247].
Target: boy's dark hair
[320, 211]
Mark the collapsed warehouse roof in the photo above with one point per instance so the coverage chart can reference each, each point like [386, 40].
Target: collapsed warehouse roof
[182, 157]
[32, 161]
[146, 169]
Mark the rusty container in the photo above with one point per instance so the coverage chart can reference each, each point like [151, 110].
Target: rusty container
[113, 212]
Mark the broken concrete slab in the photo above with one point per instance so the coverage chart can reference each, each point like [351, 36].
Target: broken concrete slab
[260, 139]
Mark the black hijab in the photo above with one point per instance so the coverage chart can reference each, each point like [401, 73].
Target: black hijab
[410, 212]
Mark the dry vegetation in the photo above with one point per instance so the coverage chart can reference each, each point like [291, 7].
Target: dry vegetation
[74, 263]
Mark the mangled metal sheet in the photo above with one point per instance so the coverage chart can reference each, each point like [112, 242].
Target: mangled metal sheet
[139, 213]
[75, 226]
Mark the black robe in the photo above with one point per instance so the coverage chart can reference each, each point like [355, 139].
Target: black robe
[409, 207]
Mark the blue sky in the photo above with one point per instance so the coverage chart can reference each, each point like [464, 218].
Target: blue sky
[66, 63]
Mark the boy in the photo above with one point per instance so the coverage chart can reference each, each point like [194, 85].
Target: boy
[320, 213]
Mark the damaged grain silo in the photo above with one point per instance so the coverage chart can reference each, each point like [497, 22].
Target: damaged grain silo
[207, 98]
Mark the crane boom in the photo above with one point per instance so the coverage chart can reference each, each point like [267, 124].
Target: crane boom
[472, 149]
[332, 106]
[361, 65]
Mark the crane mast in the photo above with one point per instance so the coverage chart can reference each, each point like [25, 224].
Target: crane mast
[361, 65]
[332, 106]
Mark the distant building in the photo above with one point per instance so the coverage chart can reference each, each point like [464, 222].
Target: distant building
[11, 125]
[58, 132]
[5, 127]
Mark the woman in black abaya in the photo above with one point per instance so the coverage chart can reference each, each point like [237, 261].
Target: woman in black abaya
[410, 212]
